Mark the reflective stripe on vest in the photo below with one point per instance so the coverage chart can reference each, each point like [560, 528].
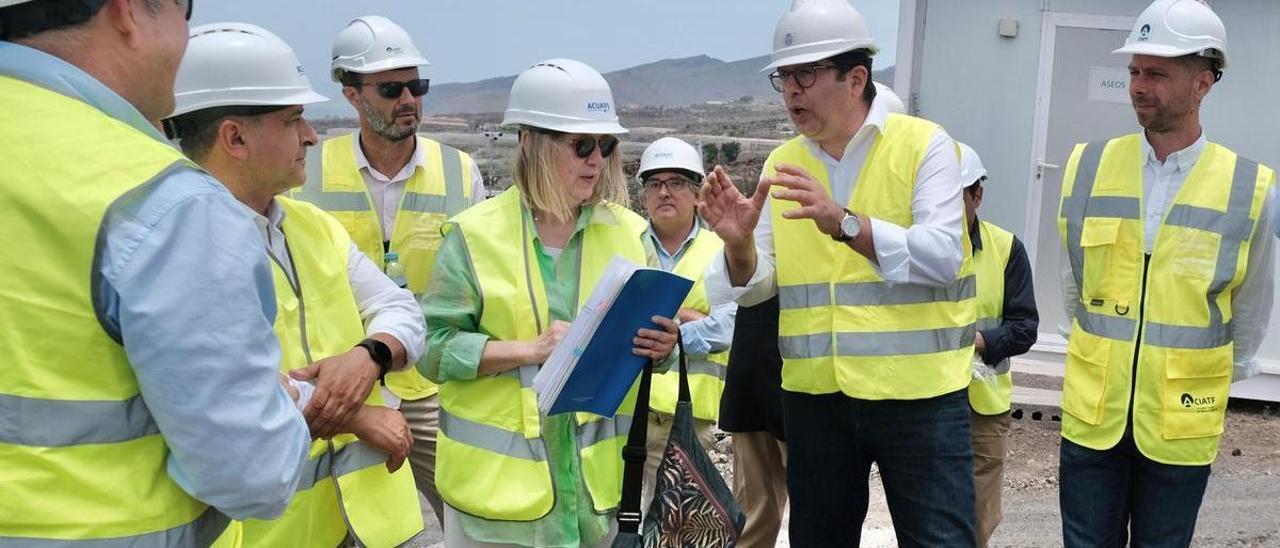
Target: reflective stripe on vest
[437, 190]
[991, 395]
[491, 460]
[841, 327]
[1200, 255]
[706, 375]
[344, 483]
[81, 461]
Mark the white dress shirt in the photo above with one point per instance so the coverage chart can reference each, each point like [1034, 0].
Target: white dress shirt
[386, 191]
[925, 253]
[384, 307]
[1250, 302]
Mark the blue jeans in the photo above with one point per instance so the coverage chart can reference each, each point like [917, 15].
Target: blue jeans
[925, 460]
[1109, 496]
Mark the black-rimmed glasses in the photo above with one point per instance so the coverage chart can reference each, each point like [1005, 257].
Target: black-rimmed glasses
[804, 76]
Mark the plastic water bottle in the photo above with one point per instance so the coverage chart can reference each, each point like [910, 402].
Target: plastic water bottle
[395, 270]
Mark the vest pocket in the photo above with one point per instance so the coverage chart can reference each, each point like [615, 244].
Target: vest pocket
[1196, 386]
[1084, 387]
[1098, 240]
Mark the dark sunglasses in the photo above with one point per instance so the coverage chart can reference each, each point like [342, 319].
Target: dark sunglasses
[190, 5]
[391, 90]
[584, 145]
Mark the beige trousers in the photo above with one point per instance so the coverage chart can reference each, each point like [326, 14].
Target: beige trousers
[424, 421]
[990, 436]
[760, 486]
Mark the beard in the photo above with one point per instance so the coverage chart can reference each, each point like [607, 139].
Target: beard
[386, 127]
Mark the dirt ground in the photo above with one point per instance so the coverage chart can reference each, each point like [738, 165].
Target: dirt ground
[1241, 506]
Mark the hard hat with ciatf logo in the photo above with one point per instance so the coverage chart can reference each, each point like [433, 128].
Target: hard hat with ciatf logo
[817, 29]
[373, 44]
[562, 95]
[1173, 28]
[671, 154]
[238, 64]
[971, 168]
[892, 102]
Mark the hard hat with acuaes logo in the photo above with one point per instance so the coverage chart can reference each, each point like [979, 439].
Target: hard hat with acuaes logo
[562, 95]
[372, 44]
[814, 30]
[1174, 28]
[239, 64]
[671, 154]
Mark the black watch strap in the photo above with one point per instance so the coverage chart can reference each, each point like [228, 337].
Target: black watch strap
[381, 354]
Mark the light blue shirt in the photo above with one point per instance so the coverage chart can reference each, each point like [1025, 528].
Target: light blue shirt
[182, 282]
[713, 333]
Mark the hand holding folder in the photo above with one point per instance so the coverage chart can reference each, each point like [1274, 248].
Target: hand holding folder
[593, 367]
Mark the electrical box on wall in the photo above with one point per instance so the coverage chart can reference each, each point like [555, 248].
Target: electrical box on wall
[1008, 28]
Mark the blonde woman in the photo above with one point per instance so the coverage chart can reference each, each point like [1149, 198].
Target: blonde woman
[510, 274]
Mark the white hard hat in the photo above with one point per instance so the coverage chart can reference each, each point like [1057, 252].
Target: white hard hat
[669, 153]
[238, 64]
[817, 29]
[891, 100]
[562, 95]
[971, 168]
[1173, 28]
[373, 44]
[7, 3]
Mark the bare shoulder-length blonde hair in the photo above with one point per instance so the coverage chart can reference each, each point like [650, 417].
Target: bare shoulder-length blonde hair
[535, 175]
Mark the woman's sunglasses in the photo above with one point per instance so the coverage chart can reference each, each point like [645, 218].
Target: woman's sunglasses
[391, 90]
[584, 145]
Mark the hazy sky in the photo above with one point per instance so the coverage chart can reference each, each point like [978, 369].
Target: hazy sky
[468, 40]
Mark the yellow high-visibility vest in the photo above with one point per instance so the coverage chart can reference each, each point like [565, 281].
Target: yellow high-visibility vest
[841, 327]
[81, 458]
[1163, 332]
[345, 482]
[491, 460]
[434, 193]
[706, 375]
[994, 396]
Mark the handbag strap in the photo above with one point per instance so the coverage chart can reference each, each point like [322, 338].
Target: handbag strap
[634, 453]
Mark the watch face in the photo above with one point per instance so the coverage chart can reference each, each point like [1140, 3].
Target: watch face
[850, 226]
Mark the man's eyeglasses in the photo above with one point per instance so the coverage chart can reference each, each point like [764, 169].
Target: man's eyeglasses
[189, 4]
[804, 76]
[392, 90]
[653, 185]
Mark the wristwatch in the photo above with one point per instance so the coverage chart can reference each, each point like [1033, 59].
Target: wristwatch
[381, 354]
[850, 226]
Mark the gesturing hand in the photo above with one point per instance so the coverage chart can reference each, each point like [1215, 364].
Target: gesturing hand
[727, 212]
[794, 184]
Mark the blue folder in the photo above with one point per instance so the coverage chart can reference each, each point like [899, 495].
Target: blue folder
[606, 368]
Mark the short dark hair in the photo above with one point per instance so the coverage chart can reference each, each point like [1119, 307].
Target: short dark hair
[31, 18]
[1198, 63]
[350, 79]
[197, 131]
[847, 61]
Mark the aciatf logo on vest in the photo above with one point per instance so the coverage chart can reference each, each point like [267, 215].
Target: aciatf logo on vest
[1189, 401]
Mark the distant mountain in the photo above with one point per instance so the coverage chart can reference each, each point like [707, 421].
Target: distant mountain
[670, 82]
